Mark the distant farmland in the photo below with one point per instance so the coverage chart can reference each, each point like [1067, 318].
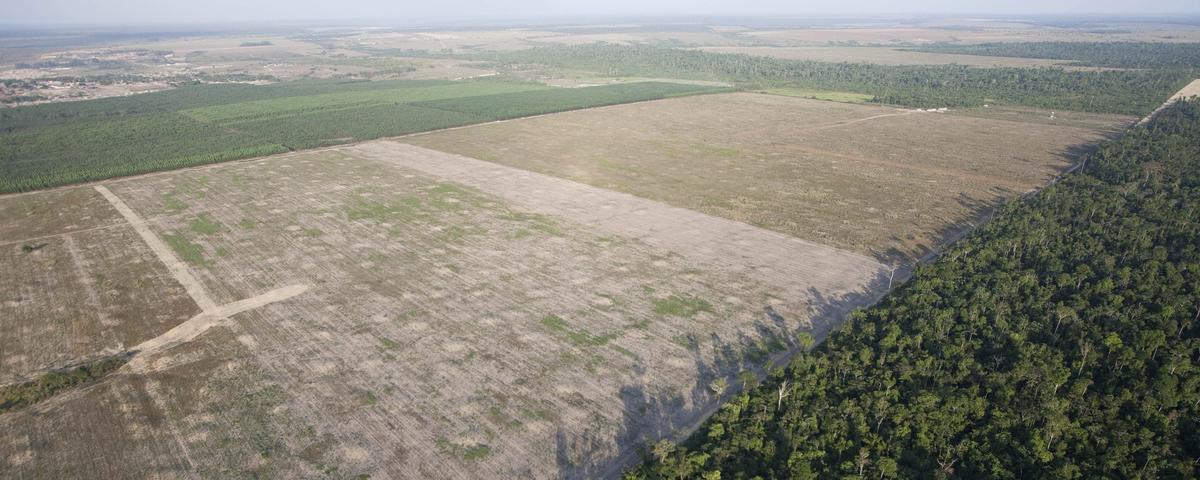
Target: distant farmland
[56, 144]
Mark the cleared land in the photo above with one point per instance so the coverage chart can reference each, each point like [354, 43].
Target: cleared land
[78, 284]
[880, 181]
[445, 331]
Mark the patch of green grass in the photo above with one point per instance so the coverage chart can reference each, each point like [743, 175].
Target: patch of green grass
[497, 416]
[388, 343]
[449, 197]
[362, 209]
[456, 234]
[187, 250]
[469, 453]
[683, 341]
[21, 395]
[27, 248]
[248, 223]
[172, 204]
[625, 351]
[204, 225]
[533, 222]
[577, 337]
[685, 306]
[554, 322]
[833, 96]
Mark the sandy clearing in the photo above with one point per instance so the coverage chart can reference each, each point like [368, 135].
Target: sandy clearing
[710, 241]
[160, 249]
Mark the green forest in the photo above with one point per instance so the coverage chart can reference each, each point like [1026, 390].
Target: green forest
[1131, 92]
[62, 143]
[1091, 54]
[1061, 340]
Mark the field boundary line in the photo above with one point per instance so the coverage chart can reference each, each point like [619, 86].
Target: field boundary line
[210, 314]
[180, 271]
[193, 327]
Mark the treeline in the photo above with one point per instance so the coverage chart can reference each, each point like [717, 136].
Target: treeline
[1158, 55]
[1062, 340]
[1125, 92]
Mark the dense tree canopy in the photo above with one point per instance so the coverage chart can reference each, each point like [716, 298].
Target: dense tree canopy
[1093, 54]
[1135, 92]
[1062, 340]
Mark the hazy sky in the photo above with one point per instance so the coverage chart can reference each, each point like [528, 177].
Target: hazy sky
[406, 11]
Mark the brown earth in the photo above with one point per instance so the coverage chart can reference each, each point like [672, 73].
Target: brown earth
[880, 181]
[447, 331]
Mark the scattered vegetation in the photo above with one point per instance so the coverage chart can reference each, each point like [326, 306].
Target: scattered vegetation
[204, 225]
[1059, 341]
[681, 306]
[14, 397]
[187, 250]
[469, 453]
[30, 248]
[578, 337]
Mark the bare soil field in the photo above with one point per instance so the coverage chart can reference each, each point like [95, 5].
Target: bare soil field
[78, 284]
[376, 314]
[880, 181]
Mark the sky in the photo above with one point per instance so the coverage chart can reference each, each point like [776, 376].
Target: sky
[407, 11]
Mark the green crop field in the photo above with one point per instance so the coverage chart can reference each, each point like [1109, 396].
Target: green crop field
[55, 144]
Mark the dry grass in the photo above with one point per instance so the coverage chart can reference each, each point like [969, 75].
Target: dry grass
[876, 180]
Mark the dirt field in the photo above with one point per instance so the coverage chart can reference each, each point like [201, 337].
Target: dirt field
[880, 181]
[369, 317]
[77, 284]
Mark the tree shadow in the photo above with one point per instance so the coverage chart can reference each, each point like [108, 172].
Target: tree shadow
[650, 414]
[981, 211]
